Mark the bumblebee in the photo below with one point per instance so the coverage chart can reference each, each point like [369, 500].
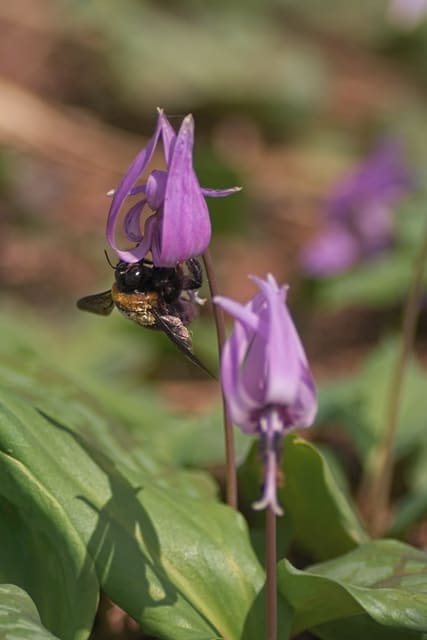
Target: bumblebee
[159, 298]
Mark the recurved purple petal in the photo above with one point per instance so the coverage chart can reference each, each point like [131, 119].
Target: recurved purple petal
[155, 189]
[132, 222]
[140, 251]
[240, 312]
[238, 402]
[185, 226]
[131, 176]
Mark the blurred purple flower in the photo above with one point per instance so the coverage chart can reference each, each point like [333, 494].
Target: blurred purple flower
[407, 13]
[359, 221]
[179, 228]
[265, 376]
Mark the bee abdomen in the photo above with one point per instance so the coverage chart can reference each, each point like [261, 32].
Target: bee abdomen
[136, 306]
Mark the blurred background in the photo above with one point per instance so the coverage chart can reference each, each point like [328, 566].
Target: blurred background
[290, 98]
[318, 109]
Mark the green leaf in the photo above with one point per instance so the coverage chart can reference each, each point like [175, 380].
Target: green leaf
[383, 583]
[413, 504]
[19, 618]
[182, 567]
[315, 502]
[39, 549]
[374, 284]
[358, 404]
[312, 498]
[120, 420]
[41, 552]
[139, 447]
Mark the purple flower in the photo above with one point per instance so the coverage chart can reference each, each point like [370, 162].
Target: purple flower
[179, 228]
[265, 376]
[359, 222]
[407, 13]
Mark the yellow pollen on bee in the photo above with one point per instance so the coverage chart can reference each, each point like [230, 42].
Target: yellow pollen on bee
[136, 306]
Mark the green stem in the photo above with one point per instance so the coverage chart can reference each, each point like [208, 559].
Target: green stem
[270, 566]
[231, 476]
[378, 482]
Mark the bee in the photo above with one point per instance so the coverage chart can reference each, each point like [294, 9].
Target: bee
[159, 298]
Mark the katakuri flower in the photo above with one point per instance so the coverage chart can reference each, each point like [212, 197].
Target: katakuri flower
[265, 376]
[359, 214]
[407, 14]
[179, 228]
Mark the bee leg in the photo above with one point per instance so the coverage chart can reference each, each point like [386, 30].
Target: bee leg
[194, 278]
[186, 310]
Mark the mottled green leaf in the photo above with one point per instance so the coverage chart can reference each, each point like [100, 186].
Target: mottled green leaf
[19, 618]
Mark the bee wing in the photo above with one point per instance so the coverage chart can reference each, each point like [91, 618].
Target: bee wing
[100, 303]
[178, 333]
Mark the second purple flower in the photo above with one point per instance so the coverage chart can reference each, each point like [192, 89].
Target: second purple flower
[265, 376]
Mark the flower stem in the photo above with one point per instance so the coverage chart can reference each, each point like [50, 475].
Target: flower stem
[377, 484]
[270, 566]
[231, 477]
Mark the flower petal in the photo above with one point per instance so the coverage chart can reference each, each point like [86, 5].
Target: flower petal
[232, 356]
[140, 251]
[382, 177]
[131, 176]
[168, 136]
[239, 312]
[131, 224]
[185, 226]
[283, 347]
[332, 252]
[156, 187]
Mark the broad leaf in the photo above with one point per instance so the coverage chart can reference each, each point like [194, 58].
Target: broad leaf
[380, 586]
[135, 448]
[182, 567]
[312, 498]
[19, 618]
[315, 502]
[92, 406]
